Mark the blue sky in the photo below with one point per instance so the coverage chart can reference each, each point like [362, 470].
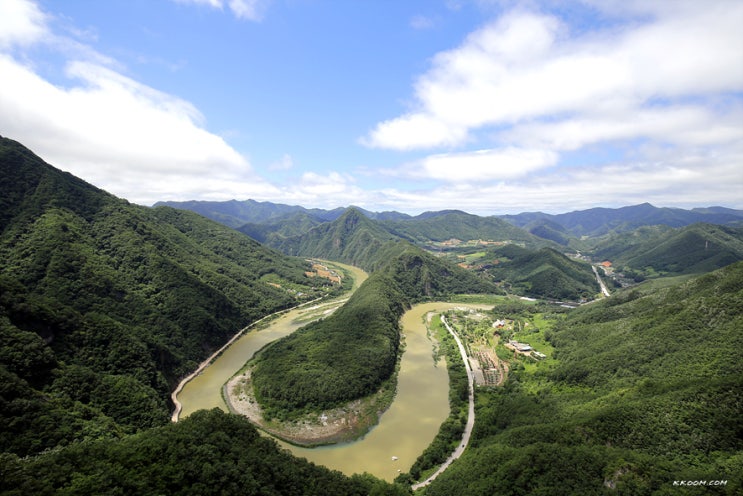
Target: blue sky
[489, 106]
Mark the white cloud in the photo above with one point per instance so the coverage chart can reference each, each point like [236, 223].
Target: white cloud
[414, 131]
[329, 190]
[681, 125]
[117, 133]
[486, 165]
[682, 182]
[654, 96]
[252, 10]
[21, 22]
[527, 66]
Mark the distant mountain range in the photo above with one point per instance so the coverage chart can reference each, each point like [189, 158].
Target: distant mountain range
[643, 240]
[591, 222]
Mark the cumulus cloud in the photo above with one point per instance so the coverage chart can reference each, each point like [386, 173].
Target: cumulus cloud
[658, 83]
[486, 165]
[526, 66]
[21, 22]
[115, 132]
[328, 190]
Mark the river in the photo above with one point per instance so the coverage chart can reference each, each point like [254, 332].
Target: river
[404, 430]
[205, 390]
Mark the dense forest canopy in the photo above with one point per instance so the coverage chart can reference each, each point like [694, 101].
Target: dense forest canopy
[104, 305]
[645, 390]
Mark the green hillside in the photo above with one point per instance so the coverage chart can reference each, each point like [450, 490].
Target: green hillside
[274, 234]
[352, 239]
[210, 452]
[694, 249]
[543, 273]
[105, 305]
[645, 389]
[547, 229]
[341, 358]
[441, 226]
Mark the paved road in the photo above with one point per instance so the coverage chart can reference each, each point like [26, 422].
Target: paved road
[604, 291]
[470, 415]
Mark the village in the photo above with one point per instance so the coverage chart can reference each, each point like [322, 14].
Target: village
[491, 346]
[320, 270]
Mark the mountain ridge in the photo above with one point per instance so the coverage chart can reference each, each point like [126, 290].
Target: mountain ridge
[590, 222]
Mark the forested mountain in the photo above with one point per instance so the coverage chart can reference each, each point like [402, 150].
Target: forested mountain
[276, 233]
[647, 389]
[104, 305]
[655, 250]
[236, 213]
[550, 230]
[351, 238]
[560, 228]
[543, 273]
[441, 226]
[599, 221]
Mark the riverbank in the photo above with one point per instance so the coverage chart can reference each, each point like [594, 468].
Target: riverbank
[470, 412]
[343, 424]
[178, 407]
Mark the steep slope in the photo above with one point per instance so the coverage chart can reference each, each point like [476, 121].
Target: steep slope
[422, 276]
[694, 249]
[104, 305]
[351, 238]
[645, 391]
[547, 229]
[543, 273]
[275, 233]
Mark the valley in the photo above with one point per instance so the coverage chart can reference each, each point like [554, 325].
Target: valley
[106, 307]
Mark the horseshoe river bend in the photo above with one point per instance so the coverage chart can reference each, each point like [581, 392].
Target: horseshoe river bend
[409, 425]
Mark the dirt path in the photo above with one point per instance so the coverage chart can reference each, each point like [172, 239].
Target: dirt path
[470, 414]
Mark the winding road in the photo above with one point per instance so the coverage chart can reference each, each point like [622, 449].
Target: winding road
[470, 415]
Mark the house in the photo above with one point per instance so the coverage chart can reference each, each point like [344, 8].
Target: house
[520, 347]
